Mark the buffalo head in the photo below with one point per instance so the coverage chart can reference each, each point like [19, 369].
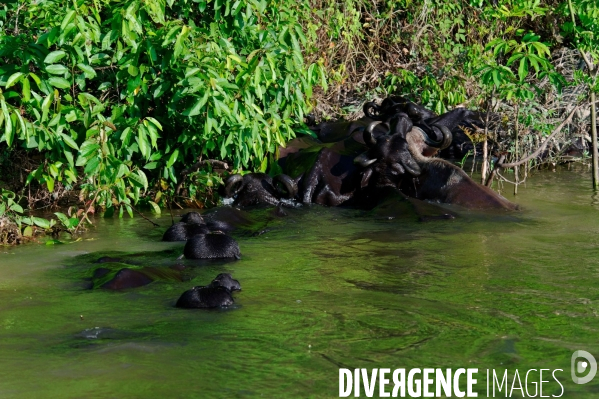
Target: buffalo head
[389, 157]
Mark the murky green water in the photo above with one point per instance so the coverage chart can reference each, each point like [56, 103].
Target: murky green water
[325, 288]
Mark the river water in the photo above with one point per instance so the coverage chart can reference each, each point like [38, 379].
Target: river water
[323, 289]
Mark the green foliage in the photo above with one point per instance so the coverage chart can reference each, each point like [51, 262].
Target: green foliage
[428, 90]
[122, 95]
[28, 225]
[583, 30]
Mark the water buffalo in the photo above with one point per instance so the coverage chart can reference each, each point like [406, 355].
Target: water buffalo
[211, 246]
[191, 224]
[259, 188]
[393, 147]
[216, 294]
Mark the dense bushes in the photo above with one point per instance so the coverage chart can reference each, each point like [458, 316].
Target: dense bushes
[122, 95]
[117, 98]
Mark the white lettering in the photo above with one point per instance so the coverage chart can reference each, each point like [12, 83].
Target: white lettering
[382, 382]
[444, 382]
[399, 383]
[369, 383]
[504, 380]
[560, 384]
[516, 378]
[343, 373]
[541, 384]
[471, 383]
[411, 383]
[456, 383]
[534, 383]
[426, 383]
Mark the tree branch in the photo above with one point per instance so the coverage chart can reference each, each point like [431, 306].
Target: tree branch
[142, 215]
[544, 145]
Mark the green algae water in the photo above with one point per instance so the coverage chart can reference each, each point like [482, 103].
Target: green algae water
[323, 289]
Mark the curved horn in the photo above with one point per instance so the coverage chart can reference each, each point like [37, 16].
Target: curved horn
[289, 183]
[231, 186]
[444, 142]
[363, 160]
[371, 105]
[367, 135]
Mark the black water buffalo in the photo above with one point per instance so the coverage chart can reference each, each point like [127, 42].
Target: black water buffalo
[391, 146]
[211, 246]
[457, 121]
[217, 294]
[191, 224]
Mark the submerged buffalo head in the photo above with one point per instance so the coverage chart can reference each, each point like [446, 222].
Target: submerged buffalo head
[259, 188]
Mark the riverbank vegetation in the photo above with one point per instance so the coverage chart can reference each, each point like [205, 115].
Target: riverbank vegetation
[114, 106]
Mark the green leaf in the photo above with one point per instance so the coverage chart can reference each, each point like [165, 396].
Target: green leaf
[16, 207]
[63, 218]
[8, 130]
[54, 56]
[173, 158]
[155, 207]
[133, 70]
[155, 9]
[179, 43]
[142, 141]
[61, 83]
[89, 72]
[67, 19]
[35, 78]
[70, 142]
[14, 78]
[196, 108]
[56, 69]
[91, 166]
[49, 182]
[26, 89]
[523, 69]
[155, 122]
[514, 58]
[43, 223]
[143, 178]
[135, 179]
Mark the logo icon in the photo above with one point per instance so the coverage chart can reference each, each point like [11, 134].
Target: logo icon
[583, 361]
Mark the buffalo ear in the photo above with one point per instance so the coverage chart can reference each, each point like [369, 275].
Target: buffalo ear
[398, 168]
[363, 160]
[409, 164]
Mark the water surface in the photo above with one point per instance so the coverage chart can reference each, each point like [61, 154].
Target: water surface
[323, 289]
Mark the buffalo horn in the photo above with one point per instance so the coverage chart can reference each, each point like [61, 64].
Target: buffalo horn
[369, 139]
[233, 185]
[371, 106]
[444, 142]
[289, 183]
[363, 160]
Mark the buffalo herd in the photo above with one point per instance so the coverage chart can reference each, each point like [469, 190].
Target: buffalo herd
[393, 147]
